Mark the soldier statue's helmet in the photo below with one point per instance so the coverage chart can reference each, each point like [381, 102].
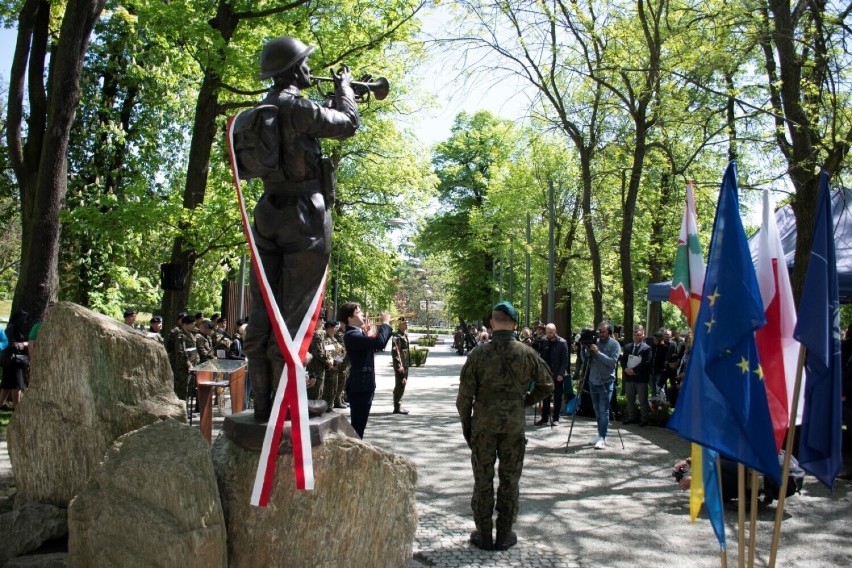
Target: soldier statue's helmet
[187, 319]
[280, 54]
[331, 323]
[208, 324]
[156, 319]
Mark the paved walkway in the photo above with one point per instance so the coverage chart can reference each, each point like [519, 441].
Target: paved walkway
[617, 507]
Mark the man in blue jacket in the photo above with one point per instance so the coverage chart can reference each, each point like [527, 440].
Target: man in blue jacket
[554, 350]
[603, 358]
[361, 384]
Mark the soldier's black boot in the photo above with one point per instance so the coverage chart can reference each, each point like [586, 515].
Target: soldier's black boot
[482, 538]
[506, 537]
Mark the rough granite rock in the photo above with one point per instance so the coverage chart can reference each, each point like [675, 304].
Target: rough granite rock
[50, 560]
[29, 527]
[361, 513]
[152, 502]
[92, 379]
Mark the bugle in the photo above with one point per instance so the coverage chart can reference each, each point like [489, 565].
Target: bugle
[379, 88]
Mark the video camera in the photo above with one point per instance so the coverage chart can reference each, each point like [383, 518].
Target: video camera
[587, 337]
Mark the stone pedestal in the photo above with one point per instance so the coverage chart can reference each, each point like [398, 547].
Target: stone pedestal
[242, 430]
[361, 512]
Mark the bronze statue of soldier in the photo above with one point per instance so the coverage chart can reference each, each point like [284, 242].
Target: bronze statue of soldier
[292, 219]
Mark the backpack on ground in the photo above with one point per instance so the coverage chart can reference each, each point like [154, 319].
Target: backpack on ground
[795, 480]
[257, 143]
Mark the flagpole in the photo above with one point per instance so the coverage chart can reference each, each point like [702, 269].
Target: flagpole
[723, 553]
[752, 527]
[741, 515]
[788, 451]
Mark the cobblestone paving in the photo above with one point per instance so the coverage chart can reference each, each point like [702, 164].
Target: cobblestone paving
[441, 540]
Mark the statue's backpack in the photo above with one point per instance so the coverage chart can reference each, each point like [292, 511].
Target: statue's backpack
[257, 143]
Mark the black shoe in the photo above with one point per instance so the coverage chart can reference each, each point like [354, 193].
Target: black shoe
[541, 422]
[481, 541]
[400, 410]
[6, 408]
[505, 542]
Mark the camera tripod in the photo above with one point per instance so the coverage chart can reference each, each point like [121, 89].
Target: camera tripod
[584, 378]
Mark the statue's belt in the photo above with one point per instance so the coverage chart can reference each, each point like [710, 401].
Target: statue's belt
[293, 187]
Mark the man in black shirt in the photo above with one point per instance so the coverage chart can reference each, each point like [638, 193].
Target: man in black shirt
[554, 350]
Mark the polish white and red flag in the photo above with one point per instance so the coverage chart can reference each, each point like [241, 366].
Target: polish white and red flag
[778, 350]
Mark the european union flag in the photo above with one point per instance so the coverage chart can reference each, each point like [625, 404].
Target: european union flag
[818, 329]
[723, 403]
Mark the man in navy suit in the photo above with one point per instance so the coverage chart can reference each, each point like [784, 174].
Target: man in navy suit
[636, 362]
[361, 384]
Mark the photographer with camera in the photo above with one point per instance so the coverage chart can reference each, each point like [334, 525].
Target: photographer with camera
[602, 357]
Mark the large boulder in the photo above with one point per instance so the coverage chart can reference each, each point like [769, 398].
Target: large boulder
[29, 527]
[361, 513]
[152, 502]
[92, 379]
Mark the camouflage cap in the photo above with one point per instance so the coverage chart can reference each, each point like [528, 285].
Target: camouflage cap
[508, 309]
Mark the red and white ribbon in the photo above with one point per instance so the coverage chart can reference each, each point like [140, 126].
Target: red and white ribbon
[292, 391]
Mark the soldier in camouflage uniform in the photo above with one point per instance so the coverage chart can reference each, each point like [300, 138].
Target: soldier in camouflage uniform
[334, 349]
[319, 362]
[342, 372]
[204, 341]
[155, 329]
[186, 356]
[401, 362]
[171, 340]
[492, 395]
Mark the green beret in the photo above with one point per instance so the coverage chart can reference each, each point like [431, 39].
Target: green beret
[508, 309]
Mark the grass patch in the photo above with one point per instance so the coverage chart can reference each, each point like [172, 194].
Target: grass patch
[5, 310]
[5, 417]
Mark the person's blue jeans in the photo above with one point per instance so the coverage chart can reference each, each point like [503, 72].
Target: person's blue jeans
[600, 402]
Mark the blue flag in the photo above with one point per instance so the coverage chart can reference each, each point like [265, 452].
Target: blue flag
[723, 403]
[818, 329]
[713, 494]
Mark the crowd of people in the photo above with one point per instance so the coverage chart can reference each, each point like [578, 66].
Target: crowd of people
[651, 368]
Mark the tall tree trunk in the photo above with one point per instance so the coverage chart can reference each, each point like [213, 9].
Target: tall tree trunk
[629, 209]
[594, 248]
[798, 36]
[41, 165]
[203, 135]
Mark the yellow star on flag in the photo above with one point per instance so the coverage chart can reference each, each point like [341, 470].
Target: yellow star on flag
[712, 297]
[743, 365]
[709, 325]
[759, 372]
